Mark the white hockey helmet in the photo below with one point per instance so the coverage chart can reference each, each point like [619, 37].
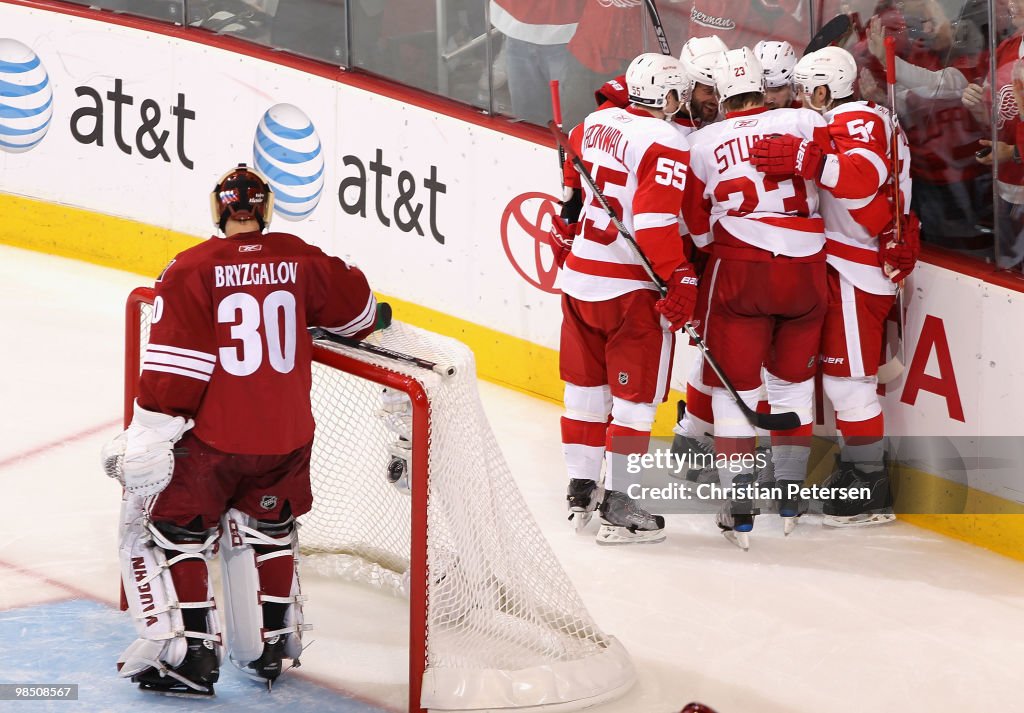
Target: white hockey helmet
[738, 72]
[777, 60]
[651, 76]
[699, 56]
[831, 67]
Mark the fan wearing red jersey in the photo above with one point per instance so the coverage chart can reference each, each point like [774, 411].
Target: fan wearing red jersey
[864, 264]
[220, 444]
[617, 336]
[762, 297]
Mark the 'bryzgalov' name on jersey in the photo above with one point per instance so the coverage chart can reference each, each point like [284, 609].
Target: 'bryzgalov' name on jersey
[255, 273]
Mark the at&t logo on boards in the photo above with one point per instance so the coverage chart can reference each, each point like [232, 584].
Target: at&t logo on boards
[26, 97]
[287, 151]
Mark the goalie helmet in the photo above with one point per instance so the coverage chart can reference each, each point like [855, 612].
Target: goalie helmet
[831, 67]
[699, 56]
[777, 61]
[738, 72]
[242, 194]
[651, 76]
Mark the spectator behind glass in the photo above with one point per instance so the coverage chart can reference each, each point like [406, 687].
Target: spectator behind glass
[609, 35]
[951, 190]
[1009, 209]
[537, 34]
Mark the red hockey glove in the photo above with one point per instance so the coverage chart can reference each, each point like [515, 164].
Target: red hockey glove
[898, 259]
[788, 155]
[677, 306]
[560, 238]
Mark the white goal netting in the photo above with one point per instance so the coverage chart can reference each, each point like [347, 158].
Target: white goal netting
[504, 626]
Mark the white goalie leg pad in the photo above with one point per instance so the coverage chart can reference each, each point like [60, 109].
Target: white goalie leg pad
[146, 557]
[243, 594]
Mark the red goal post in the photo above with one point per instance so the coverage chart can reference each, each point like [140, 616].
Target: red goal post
[494, 621]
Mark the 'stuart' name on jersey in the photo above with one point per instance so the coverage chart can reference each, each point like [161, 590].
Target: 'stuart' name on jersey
[255, 273]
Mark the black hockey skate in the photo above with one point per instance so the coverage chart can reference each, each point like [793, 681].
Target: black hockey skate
[583, 497]
[623, 522]
[195, 675]
[270, 663]
[790, 505]
[736, 518]
[697, 453]
[764, 475]
[876, 509]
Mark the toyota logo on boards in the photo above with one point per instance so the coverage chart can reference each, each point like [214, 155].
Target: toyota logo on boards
[524, 235]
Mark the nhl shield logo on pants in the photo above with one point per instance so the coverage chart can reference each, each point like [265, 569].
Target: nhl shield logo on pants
[268, 502]
[623, 378]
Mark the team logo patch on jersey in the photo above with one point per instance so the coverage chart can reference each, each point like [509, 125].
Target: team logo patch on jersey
[249, 248]
[268, 502]
[623, 378]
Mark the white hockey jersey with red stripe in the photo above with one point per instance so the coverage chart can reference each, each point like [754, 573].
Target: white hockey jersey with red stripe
[639, 163]
[856, 200]
[730, 201]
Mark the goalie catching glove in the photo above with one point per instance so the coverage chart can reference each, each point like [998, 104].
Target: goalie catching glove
[142, 458]
[788, 155]
[899, 258]
[678, 303]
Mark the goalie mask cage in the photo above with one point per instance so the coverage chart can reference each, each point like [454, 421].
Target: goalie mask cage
[495, 623]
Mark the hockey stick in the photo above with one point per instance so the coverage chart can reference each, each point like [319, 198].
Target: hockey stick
[892, 369]
[659, 29]
[768, 421]
[319, 334]
[556, 112]
[834, 32]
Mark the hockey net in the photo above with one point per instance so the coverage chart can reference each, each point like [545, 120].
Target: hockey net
[494, 621]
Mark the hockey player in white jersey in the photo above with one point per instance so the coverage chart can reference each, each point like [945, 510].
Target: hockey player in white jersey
[699, 56]
[617, 335]
[864, 263]
[762, 298]
[777, 62]
[694, 430]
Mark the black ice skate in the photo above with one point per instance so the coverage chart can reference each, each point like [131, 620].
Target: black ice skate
[623, 522]
[789, 505]
[195, 675]
[268, 666]
[696, 454]
[736, 518]
[852, 512]
[765, 475]
[583, 497]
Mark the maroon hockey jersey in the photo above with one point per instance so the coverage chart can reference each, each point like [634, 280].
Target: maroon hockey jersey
[228, 344]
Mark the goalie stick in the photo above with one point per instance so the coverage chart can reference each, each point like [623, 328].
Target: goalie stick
[768, 421]
[319, 334]
[659, 29]
[892, 369]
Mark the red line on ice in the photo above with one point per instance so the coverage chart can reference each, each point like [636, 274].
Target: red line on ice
[39, 450]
